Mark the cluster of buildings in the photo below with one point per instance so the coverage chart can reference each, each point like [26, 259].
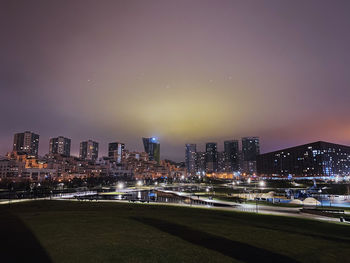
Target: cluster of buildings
[318, 159]
[233, 159]
[24, 162]
[314, 160]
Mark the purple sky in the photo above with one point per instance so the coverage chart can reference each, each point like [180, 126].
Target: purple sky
[184, 71]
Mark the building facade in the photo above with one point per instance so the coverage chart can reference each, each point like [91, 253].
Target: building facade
[60, 145]
[313, 159]
[88, 150]
[26, 142]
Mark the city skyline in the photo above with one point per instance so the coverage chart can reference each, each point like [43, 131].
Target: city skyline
[66, 147]
[210, 71]
[174, 130]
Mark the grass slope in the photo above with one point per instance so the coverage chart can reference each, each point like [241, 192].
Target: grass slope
[62, 231]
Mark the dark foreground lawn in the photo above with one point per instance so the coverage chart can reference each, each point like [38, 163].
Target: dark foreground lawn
[63, 231]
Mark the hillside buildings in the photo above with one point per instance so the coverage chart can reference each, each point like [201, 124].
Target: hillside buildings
[26, 142]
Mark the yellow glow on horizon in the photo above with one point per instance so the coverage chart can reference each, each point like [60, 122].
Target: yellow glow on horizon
[182, 116]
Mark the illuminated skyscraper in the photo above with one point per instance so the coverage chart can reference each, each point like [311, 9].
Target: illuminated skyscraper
[60, 145]
[26, 142]
[89, 150]
[211, 157]
[116, 151]
[152, 147]
[190, 158]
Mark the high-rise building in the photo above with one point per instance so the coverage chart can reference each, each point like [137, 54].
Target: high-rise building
[60, 145]
[221, 162]
[231, 156]
[211, 157]
[250, 150]
[26, 142]
[116, 151]
[313, 159]
[200, 162]
[89, 150]
[152, 147]
[190, 158]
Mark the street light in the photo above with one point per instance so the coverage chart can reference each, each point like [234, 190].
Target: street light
[139, 183]
[261, 184]
[120, 185]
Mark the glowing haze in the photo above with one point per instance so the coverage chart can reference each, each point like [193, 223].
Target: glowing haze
[184, 71]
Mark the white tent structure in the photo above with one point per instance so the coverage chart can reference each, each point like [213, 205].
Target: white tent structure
[311, 201]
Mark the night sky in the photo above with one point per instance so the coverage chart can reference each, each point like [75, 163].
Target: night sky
[184, 71]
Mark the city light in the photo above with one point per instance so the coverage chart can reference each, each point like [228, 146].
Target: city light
[249, 180]
[139, 183]
[261, 183]
[120, 185]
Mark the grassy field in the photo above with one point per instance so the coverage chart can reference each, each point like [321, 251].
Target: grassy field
[63, 231]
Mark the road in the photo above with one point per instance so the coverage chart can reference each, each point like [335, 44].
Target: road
[261, 209]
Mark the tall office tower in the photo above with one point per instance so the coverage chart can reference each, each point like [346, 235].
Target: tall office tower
[116, 151]
[60, 145]
[200, 162]
[211, 157]
[250, 150]
[152, 147]
[89, 150]
[190, 158]
[26, 142]
[231, 156]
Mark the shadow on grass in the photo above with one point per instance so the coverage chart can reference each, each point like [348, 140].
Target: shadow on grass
[303, 230]
[17, 242]
[230, 248]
